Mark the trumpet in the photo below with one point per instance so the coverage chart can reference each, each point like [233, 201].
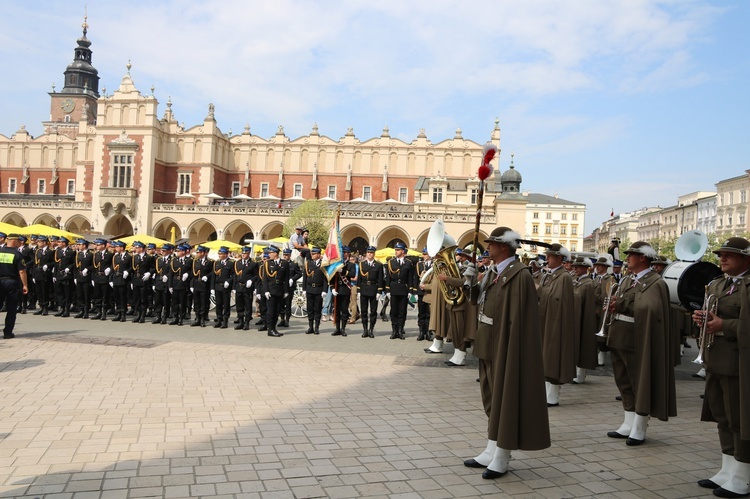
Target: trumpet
[706, 339]
[606, 319]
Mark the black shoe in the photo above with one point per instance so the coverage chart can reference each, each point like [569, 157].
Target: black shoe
[687, 345]
[217, 324]
[117, 318]
[246, 327]
[65, 314]
[365, 334]
[79, 315]
[614, 434]
[122, 318]
[236, 321]
[490, 475]
[634, 441]
[619, 397]
[708, 484]
[59, 314]
[722, 492]
[336, 333]
[174, 322]
[371, 334]
[8, 336]
[283, 324]
[224, 325]
[552, 405]
[260, 322]
[39, 312]
[343, 333]
[239, 325]
[264, 328]
[196, 323]
[275, 334]
[402, 335]
[472, 463]
[157, 320]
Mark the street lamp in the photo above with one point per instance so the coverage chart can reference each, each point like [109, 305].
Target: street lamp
[58, 218]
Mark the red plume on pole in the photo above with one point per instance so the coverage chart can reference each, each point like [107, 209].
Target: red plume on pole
[488, 154]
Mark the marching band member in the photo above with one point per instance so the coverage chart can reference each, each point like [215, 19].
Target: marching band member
[557, 315]
[603, 281]
[584, 291]
[642, 360]
[727, 396]
[424, 297]
[511, 370]
[462, 316]
[314, 283]
[371, 283]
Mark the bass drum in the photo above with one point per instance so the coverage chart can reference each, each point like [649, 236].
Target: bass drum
[686, 282]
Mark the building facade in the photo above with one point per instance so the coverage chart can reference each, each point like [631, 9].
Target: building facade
[112, 164]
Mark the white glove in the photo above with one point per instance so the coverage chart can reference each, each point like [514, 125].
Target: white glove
[192, 290]
[67, 270]
[334, 292]
[204, 278]
[377, 296]
[171, 290]
[184, 276]
[146, 276]
[257, 295]
[92, 282]
[323, 295]
[75, 281]
[291, 283]
[107, 271]
[33, 280]
[286, 295]
[213, 292]
[44, 268]
[226, 284]
[249, 284]
[164, 278]
[388, 295]
[268, 295]
[125, 274]
[54, 279]
[131, 286]
[112, 285]
[153, 288]
[85, 272]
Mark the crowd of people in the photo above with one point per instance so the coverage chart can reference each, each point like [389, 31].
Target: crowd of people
[533, 328]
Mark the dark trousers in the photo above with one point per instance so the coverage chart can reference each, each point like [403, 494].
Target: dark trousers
[43, 284]
[342, 308]
[223, 303]
[83, 293]
[10, 292]
[368, 309]
[179, 303]
[263, 307]
[398, 311]
[138, 303]
[274, 306]
[314, 306]
[63, 293]
[162, 301]
[121, 297]
[623, 367]
[201, 300]
[101, 292]
[244, 300]
[423, 313]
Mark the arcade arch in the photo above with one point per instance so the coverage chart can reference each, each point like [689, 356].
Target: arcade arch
[237, 232]
[200, 231]
[15, 218]
[389, 236]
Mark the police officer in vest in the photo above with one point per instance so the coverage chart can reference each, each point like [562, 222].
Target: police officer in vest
[13, 282]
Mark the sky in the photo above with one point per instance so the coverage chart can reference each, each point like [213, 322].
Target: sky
[617, 104]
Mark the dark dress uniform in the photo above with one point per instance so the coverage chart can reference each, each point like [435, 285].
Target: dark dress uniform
[245, 278]
[44, 261]
[275, 286]
[342, 285]
[423, 307]
[102, 262]
[180, 272]
[148, 261]
[294, 275]
[201, 284]
[65, 259]
[140, 285]
[27, 255]
[84, 270]
[120, 278]
[399, 282]
[223, 281]
[162, 282]
[315, 284]
[371, 282]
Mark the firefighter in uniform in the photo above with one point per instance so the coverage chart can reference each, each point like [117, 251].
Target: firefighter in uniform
[201, 285]
[162, 282]
[399, 286]
[223, 281]
[245, 276]
[275, 288]
[179, 270]
[84, 270]
[371, 284]
[314, 283]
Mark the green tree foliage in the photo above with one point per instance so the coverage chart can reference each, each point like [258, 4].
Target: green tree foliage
[314, 215]
[665, 246]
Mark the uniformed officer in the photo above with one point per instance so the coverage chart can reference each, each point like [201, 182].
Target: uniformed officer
[315, 285]
[84, 269]
[245, 278]
[399, 286]
[295, 273]
[223, 281]
[727, 397]
[423, 307]
[162, 282]
[603, 280]
[275, 288]
[139, 280]
[44, 265]
[201, 285]
[63, 277]
[12, 281]
[371, 283]
[259, 294]
[584, 291]
[120, 280]
[27, 254]
[148, 261]
[342, 293]
[179, 267]
[102, 263]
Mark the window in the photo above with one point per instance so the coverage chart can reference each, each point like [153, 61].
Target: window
[729, 219]
[564, 216]
[563, 229]
[437, 194]
[536, 215]
[575, 216]
[743, 196]
[298, 190]
[474, 196]
[742, 219]
[535, 229]
[403, 194]
[40, 186]
[264, 189]
[548, 229]
[183, 183]
[235, 189]
[332, 191]
[122, 171]
[573, 246]
[731, 198]
[12, 185]
[574, 230]
[549, 216]
[367, 193]
[71, 186]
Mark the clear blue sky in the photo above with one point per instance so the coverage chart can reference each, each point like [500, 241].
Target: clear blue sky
[615, 104]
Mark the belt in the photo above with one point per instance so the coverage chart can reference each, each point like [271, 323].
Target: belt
[624, 318]
[313, 285]
[399, 281]
[484, 319]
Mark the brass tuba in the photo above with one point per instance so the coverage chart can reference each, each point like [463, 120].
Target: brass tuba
[442, 248]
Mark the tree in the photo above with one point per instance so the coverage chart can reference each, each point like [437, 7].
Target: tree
[314, 215]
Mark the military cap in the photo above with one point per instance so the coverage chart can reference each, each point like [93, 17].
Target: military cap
[641, 248]
[41, 238]
[273, 249]
[287, 251]
[3, 235]
[99, 240]
[315, 250]
[223, 249]
[734, 245]
[372, 249]
[401, 246]
[151, 246]
[138, 244]
[247, 249]
[345, 249]
[504, 235]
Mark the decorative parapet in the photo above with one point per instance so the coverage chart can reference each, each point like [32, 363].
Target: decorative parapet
[45, 204]
[116, 196]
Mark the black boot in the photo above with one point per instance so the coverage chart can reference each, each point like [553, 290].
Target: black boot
[240, 324]
[246, 324]
[343, 327]
[422, 333]
[142, 317]
[157, 319]
[372, 331]
[311, 324]
[394, 332]
[364, 327]
[317, 327]
[224, 324]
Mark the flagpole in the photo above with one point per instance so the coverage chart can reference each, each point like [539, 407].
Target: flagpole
[336, 281]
